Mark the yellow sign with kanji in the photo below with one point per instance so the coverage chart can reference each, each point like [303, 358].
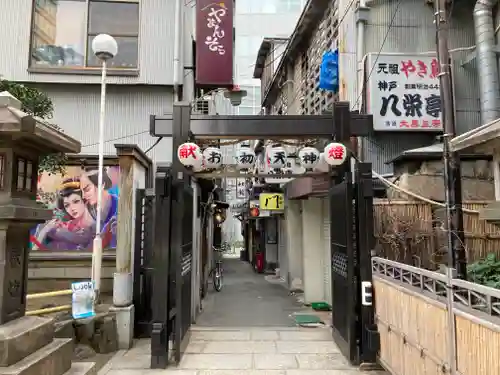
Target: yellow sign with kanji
[272, 201]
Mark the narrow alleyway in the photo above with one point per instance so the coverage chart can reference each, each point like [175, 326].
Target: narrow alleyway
[247, 300]
[246, 329]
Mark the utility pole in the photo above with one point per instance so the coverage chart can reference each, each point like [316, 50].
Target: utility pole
[452, 173]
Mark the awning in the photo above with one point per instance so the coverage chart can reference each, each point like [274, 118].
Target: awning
[483, 139]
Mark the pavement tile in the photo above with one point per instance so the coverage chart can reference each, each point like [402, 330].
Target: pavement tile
[306, 347]
[216, 362]
[323, 362]
[172, 371]
[220, 347]
[220, 336]
[264, 335]
[274, 361]
[316, 335]
[196, 347]
[321, 372]
[240, 372]
[137, 361]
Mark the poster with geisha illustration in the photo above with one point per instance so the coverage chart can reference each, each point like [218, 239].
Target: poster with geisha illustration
[73, 200]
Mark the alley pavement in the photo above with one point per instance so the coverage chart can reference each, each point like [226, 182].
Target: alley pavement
[246, 329]
[247, 300]
[243, 351]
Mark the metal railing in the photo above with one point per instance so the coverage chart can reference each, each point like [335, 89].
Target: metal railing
[49, 310]
[415, 314]
[466, 294]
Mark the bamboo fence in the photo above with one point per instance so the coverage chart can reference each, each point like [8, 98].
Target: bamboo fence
[413, 332]
[412, 232]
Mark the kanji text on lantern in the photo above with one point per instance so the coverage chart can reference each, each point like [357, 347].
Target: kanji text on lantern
[186, 151]
[336, 152]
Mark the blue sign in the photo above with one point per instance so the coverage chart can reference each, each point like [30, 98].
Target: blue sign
[329, 71]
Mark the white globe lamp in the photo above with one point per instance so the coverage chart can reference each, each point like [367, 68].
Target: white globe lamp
[104, 47]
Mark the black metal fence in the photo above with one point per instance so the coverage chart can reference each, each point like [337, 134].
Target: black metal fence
[163, 267]
[352, 240]
[143, 258]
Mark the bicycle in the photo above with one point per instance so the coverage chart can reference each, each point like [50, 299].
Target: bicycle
[216, 271]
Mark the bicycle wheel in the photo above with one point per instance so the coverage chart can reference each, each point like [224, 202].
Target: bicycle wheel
[217, 278]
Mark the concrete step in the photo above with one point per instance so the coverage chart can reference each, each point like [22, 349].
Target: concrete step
[52, 359]
[82, 368]
[21, 337]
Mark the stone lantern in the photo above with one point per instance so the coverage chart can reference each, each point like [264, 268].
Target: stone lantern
[23, 139]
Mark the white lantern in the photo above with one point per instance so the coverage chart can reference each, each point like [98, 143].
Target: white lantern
[245, 158]
[276, 157]
[198, 166]
[309, 157]
[189, 154]
[335, 153]
[212, 158]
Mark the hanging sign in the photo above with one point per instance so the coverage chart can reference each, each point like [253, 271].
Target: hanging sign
[403, 93]
[82, 299]
[272, 201]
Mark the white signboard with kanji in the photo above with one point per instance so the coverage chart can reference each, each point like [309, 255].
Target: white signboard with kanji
[403, 93]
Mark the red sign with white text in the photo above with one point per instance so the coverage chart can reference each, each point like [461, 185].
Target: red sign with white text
[214, 43]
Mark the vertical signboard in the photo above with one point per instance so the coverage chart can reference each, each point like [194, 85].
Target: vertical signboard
[403, 93]
[214, 43]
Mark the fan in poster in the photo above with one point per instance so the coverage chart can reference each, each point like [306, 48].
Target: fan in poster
[73, 199]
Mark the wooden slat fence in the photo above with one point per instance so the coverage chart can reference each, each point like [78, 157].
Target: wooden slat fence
[412, 232]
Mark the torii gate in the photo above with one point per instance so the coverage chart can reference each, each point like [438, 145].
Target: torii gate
[353, 328]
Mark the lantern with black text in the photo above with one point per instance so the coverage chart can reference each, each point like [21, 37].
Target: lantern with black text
[335, 154]
[212, 158]
[245, 158]
[309, 158]
[189, 154]
[276, 157]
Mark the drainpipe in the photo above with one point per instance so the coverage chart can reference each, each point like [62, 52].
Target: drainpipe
[177, 48]
[487, 65]
[361, 20]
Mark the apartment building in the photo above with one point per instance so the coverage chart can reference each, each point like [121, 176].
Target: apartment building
[46, 44]
[402, 31]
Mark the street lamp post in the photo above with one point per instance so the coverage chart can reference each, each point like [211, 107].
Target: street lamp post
[105, 48]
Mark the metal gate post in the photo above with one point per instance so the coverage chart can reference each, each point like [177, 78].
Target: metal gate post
[344, 263]
[180, 134]
[364, 206]
[159, 324]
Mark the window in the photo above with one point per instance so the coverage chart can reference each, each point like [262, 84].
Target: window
[25, 181]
[63, 31]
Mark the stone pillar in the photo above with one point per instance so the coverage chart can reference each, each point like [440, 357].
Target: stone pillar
[27, 343]
[293, 222]
[312, 247]
[134, 166]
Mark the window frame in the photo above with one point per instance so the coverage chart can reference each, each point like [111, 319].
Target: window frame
[86, 69]
[26, 190]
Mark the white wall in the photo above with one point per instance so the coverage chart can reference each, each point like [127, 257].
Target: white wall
[139, 183]
[293, 233]
[312, 244]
